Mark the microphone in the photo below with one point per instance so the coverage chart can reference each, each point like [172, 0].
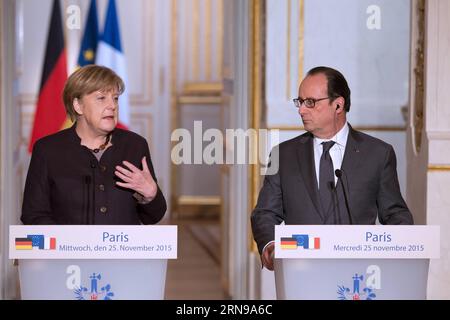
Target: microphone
[338, 174]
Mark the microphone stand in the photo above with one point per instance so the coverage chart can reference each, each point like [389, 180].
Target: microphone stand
[338, 174]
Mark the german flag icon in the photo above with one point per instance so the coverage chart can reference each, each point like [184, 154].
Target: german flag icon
[24, 244]
[288, 243]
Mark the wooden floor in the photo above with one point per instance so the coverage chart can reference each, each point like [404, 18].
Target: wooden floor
[195, 275]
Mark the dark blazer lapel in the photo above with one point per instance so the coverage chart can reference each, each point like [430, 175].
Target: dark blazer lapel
[305, 154]
[352, 155]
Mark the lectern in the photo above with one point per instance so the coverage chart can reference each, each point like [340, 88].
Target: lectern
[354, 262]
[92, 262]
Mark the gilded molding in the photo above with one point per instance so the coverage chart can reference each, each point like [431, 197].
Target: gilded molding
[257, 42]
[208, 36]
[173, 98]
[201, 93]
[188, 200]
[202, 88]
[359, 128]
[419, 75]
[196, 100]
[434, 167]
[220, 39]
[196, 40]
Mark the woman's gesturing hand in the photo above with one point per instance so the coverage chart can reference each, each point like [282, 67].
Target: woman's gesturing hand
[138, 180]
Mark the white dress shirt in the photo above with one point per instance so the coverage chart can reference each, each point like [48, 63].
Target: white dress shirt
[336, 151]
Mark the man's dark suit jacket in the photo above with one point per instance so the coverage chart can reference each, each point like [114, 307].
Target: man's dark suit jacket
[291, 195]
[66, 184]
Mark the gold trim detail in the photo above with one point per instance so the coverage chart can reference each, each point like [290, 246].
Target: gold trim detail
[196, 40]
[202, 88]
[208, 41]
[173, 102]
[199, 200]
[419, 75]
[256, 55]
[435, 167]
[220, 32]
[182, 100]
[359, 128]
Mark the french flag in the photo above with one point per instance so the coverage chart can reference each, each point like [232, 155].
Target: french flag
[314, 243]
[49, 243]
[110, 54]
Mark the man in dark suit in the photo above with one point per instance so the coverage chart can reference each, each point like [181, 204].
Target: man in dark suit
[305, 189]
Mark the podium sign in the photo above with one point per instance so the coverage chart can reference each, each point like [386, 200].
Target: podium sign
[92, 242]
[92, 262]
[353, 261]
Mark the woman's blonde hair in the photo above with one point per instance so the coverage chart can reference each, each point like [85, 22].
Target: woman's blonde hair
[86, 80]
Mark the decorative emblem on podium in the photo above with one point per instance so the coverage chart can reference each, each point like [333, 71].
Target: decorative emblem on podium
[104, 293]
[358, 293]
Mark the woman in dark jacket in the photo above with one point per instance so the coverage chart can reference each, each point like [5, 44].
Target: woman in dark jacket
[93, 172]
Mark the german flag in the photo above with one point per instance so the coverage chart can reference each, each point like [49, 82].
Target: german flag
[288, 243]
[24, 244]
[50, 114]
